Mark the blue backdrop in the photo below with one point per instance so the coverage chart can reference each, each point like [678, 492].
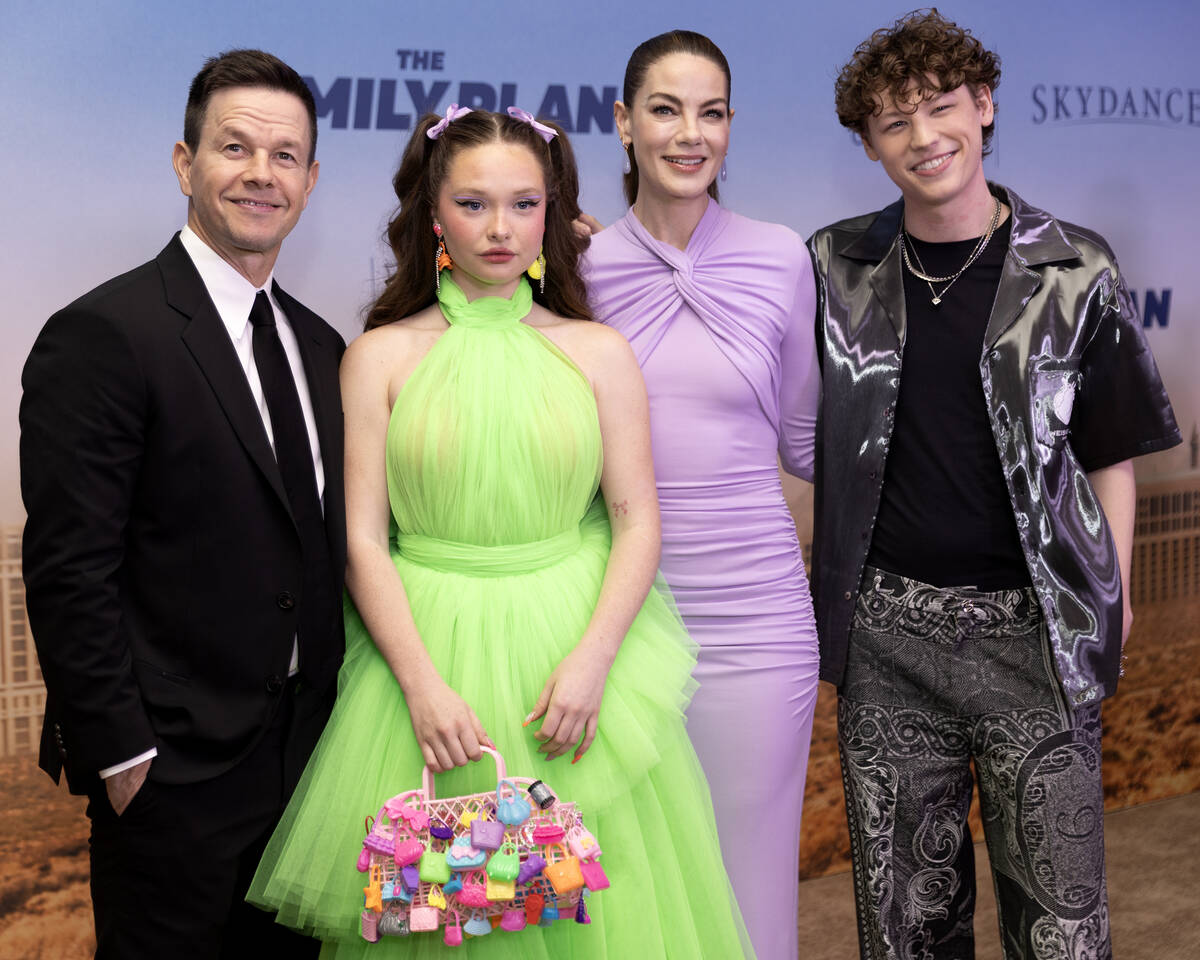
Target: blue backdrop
[1099, 122]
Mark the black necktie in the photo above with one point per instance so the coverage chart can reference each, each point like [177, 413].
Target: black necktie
[294, 457]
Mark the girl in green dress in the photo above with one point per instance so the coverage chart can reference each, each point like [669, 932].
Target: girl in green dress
[503, 538]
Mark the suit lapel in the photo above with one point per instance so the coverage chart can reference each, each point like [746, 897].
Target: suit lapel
[1036, 239]
[880, 244]
[208, 341]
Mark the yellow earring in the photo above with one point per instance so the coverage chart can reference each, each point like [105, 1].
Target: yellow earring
[537, 271]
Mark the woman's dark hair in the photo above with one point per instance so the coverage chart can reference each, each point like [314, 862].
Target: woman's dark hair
[423, 167]
[919, 56]
[643, 58]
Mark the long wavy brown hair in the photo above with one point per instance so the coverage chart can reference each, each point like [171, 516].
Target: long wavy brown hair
[423, 167]
[902, 59]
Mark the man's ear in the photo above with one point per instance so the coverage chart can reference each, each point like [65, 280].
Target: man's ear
[984, 104]
[867, 148]
[181, 160]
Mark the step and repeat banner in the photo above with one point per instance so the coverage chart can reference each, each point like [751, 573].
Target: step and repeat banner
[1098, 122]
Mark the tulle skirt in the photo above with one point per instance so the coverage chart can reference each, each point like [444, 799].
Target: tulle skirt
[496, 623]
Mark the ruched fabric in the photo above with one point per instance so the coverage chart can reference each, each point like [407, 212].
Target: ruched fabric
[724, 334]
[493, 466]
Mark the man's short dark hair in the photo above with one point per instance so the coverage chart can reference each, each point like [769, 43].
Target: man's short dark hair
[244, 68]
[902, 59]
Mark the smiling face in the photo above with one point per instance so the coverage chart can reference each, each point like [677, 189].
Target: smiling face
[249, 178]
[932, 149]
[678, 125]
[492, 209]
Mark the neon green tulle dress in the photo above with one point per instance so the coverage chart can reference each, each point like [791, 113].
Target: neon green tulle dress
[493, 465]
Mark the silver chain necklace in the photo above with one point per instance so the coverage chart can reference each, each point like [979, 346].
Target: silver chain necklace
[919, 270]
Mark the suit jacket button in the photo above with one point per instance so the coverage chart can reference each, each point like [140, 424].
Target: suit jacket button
[285, 600]
[274, 684]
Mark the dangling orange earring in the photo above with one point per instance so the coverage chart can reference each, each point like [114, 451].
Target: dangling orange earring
[441, 259]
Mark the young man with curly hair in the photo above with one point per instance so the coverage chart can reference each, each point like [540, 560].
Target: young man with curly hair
[986, 385]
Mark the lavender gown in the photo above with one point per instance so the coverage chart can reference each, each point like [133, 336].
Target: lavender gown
[724, 334]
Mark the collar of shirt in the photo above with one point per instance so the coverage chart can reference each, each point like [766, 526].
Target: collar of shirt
[231, 293]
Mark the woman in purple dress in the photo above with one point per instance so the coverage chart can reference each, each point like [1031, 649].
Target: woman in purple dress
[719, 310]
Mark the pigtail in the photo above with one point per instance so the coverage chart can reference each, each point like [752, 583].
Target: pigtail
[566, 294]
[409, 235]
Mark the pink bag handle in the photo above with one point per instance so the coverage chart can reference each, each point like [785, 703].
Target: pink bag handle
[427, 774]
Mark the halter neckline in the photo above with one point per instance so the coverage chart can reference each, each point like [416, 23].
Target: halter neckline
[495, 312]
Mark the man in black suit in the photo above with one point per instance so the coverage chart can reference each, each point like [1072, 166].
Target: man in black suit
[181, 466]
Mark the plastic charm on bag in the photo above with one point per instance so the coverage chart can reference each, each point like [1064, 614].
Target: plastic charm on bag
[488, 834]
[498, 890]
[531, 867]
[407, 851]
[477, 925]
[393, 925]
[375, 842]
[564, 875]
[512, 920]
[533, 908]
[473, 893]
[454, 934]
[505, 864]
[547, 833]
[402, 808]
[468, 817]
[467, 886]
[373, 892]
[423, 919]
[581, 914]
[583, 844]
[594, 877]
[434, 868]
[514, 809]
[370, 926]
[463, 856]
[364, 856]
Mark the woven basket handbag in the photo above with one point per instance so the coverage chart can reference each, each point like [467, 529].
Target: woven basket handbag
[504, 859]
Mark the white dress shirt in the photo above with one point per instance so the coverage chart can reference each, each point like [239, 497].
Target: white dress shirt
[233, 296]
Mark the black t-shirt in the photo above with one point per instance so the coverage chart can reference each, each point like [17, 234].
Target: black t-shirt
[945, 517]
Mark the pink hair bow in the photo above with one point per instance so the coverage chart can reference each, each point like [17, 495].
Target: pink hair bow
[524, 115]
[453, 112]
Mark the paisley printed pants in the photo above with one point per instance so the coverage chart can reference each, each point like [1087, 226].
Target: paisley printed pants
[938, 679]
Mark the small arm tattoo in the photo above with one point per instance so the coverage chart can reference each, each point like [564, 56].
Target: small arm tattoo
[620, 509]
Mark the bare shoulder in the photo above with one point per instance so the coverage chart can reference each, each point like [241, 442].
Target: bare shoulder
[389, 354]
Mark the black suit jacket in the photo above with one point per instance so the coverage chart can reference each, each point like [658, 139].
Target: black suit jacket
[163, 570]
